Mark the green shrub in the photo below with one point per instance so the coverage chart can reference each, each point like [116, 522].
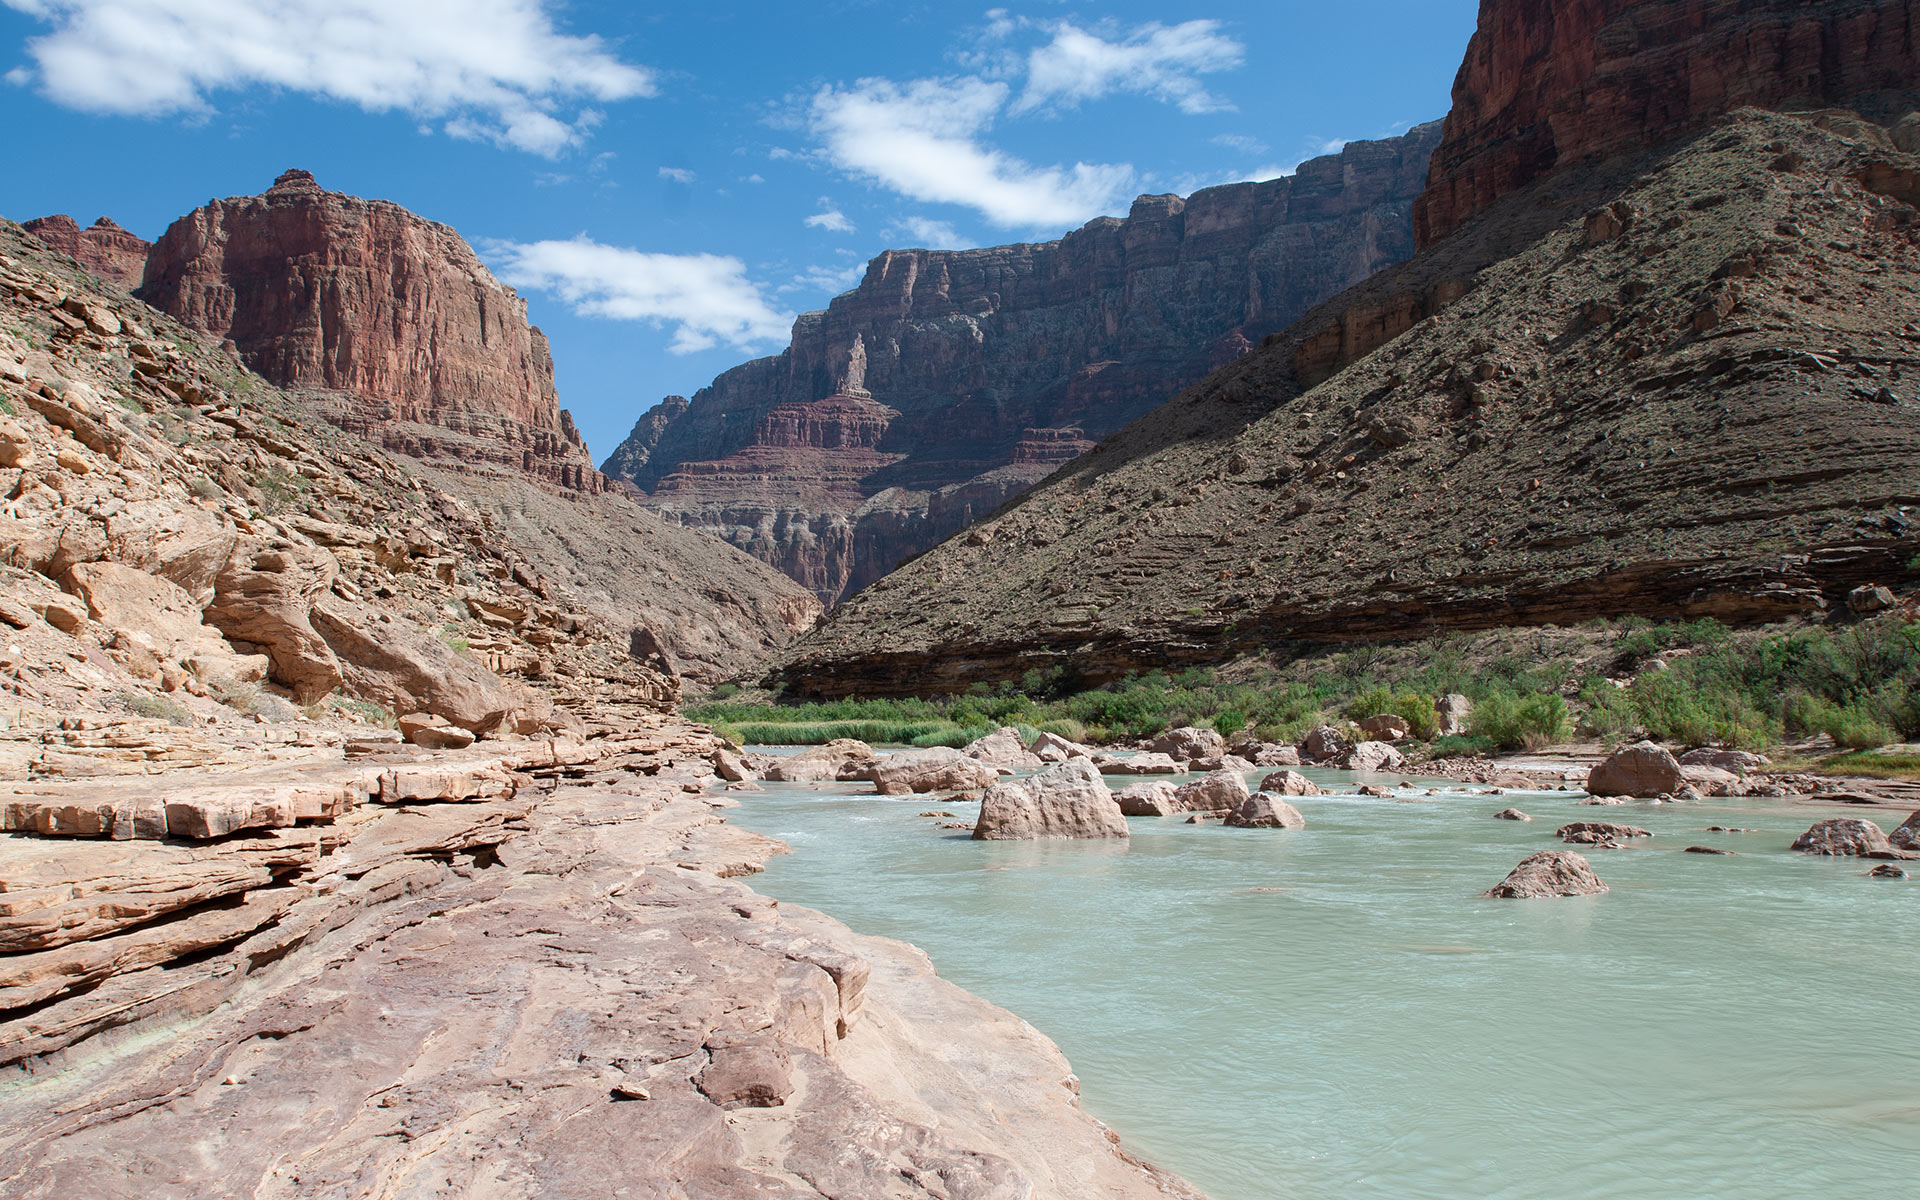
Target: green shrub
[1415, 708]
[1230, 723]
[1461, 745]
[156, 708]
[1849, 725]
[1527, 722]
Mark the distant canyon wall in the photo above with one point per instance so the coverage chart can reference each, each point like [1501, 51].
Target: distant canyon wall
[950, 381]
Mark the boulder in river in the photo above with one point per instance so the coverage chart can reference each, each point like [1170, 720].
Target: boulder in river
[1213, 792]
[1849, 837]
[937, 769]
[1004, 747]
[1511, 814]
[1291, 783]
[1264, 810]
[819, 763]
[1147, 799]
[1548, 874]
[1138, 764]
[1188, 743]
[1642, 769]
[1372, 758]
[1067, 800]
[1052, 748]
[1907, 837]
[1595, 833]
[1887, 871]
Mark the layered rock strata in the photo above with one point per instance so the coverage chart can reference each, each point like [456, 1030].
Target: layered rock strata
[390, 319]
[950, 381]
[1679, 384]
[103, 247]
[530, 969]
[1546, 86]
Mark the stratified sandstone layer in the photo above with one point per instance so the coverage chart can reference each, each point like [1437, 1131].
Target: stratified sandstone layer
[526, 970]
[423, 350]
[1550, 85]
[104, 248]
[950, 381]
[1693, 394]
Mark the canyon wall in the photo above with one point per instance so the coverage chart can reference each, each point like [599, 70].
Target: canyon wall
[1549, 85]
[388, 321]
[951, 381]
[103, 247]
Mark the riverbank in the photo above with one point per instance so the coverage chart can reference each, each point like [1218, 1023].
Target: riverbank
[533, 974]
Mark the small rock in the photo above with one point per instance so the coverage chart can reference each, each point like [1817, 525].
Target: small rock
[1511, 814]
[1705, 850]
[1594, 833]
[1887, 871]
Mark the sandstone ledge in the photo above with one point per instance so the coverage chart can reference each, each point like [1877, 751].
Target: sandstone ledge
[536, 992]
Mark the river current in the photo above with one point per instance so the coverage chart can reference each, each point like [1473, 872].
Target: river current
[1336, 1012]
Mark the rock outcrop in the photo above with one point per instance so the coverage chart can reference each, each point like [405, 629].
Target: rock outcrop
[389, 319]
[103, 247]
[951, 381]
[1596, 426]
[1549, 874]
[1067, 800]
[1547, 86]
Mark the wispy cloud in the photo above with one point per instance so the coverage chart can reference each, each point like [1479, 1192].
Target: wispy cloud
[706, 299]
[676, 174]
[491, 70]
[928, 234]
[829, 218]
[922, 139]
[831, 280]
[1153, 59]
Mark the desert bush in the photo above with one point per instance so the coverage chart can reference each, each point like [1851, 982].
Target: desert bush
[1521, 722]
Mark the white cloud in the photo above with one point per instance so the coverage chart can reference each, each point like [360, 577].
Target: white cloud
[706, 299]
[676, 174]
[492, 70]
[829, 218]
[921, 139]
[1241, 142]
[756, 177]
[928, 234]
[1156, 60]
[831, 280]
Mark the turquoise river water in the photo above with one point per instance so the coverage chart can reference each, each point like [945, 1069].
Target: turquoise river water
[1337, 1013]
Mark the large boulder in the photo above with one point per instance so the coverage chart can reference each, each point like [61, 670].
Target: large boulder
[1642, 769]
[1291, 783]
[1004, 747]
[1548, 874]
[1269, 754]
[1139, 764]
[1372, 758]
[390, 660]
[1052, 748]
[1264, 810]
[161, 618]
[936, 769]
[1067, 800]
[1213, 792]
[263, 599]
[1323, 743]
[1907, 837]
[1454, 711]
[1147, 799]
[1852, 837]
[818, 764]
[1188, 743]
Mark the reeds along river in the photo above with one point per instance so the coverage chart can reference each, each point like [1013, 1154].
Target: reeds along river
[1337, 1013]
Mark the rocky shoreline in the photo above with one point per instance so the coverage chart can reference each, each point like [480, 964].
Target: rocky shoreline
[539, 989]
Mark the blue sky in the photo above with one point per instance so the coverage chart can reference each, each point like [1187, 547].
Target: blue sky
[668, 187]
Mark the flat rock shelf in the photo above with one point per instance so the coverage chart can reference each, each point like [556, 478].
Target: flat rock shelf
[1337, 1012]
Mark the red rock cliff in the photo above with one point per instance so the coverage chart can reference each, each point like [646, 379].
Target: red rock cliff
[1547, 84]
[424, 350]
[103, 247]
[949, 381]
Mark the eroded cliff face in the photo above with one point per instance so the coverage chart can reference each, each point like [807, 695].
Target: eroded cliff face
[1549, 85]
[388, 320]
[104, 248]
[951, 381]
